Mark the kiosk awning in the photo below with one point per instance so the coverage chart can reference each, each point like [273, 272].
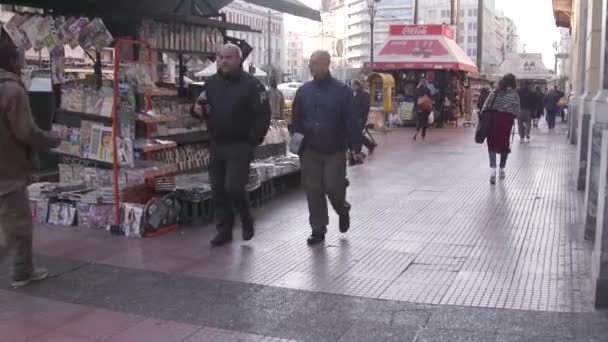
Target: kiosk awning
[427, 47]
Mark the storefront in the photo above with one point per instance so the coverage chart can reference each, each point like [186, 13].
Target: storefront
[126, 136]
[415, 52]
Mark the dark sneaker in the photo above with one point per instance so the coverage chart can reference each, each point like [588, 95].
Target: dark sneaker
[37, 275]
[345, 219]
[315, 240]
[221, 239]
[248, 231]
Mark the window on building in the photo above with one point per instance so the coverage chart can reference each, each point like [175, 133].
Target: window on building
[471, 13]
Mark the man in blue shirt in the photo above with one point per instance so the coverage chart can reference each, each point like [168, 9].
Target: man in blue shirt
[325, 115]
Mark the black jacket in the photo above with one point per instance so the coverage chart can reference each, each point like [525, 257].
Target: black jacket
[528, 99]
[236, 108]
[324, 112]
[362, 106]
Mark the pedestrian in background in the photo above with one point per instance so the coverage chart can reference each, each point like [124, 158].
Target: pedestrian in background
[423, 108]
[503, 107]
[235, 105]
[540, 106]
[528, 103]
[324, 116]
[362, 107]
[552, 106]
[276, 100]
[19, 139]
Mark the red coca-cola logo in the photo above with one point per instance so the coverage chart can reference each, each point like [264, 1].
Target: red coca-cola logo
[415, 30]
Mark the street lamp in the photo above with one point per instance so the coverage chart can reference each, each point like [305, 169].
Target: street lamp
[372, 7]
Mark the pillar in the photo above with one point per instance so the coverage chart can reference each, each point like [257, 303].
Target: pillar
[599, 271]
[595, 107]
[577, 67]
[583, 117]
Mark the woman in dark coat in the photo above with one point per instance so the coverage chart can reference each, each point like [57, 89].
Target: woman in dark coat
[422, 114]
[503, 106]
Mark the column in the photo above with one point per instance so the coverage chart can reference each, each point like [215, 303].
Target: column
[582, 130]
[577, 67]
[599, 270]
[595, 105]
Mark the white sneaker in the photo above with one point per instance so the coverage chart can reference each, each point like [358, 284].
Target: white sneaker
[502, 174]
[493, 177]
[528, 140]
[37, 275]
[521, 141]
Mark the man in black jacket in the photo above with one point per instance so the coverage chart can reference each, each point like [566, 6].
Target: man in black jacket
[362, 106]
[324, 114]
[236, 109]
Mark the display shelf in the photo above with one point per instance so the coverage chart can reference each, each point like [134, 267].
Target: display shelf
[161, 231]
[73, 119]
[193, 137]
[270, 150]
[155, 120]
[67, 158]
[163, 145]
[152, 169]
[161, 92]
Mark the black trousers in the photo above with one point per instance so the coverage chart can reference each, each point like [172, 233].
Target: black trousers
[229, 174]
[422, 122]
[368, 143]
[324, 176]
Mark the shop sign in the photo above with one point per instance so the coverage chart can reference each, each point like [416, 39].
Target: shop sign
[422, 30]
[181, 37]
[421, 48]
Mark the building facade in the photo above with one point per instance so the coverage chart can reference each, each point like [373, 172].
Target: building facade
[588, 107]
[499, 32]
[294, 52]
[358, 42]
[256, 17]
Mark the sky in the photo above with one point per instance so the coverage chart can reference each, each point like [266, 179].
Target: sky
[534, 20]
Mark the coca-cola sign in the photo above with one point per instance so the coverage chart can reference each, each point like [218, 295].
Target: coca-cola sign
[415, 30]
[422, 30]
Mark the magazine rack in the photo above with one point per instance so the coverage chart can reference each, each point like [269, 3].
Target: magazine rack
[147, 169]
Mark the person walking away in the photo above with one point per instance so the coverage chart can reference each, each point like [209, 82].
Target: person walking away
[235, 106]
[277, 101]
[19, 139]
[424, 106]
[527, 100]
[552, 107]
[540, 106]
[503, 107]
[362, 107]
[483, 96]
[325, 116]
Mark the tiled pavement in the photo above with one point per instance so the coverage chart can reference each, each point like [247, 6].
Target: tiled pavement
[427, 228]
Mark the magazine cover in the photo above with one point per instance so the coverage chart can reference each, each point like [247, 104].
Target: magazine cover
[131, 219]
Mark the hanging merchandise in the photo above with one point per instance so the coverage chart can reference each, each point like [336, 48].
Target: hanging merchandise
[34, 31]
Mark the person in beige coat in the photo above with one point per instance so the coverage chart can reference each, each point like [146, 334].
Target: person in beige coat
[19, 139]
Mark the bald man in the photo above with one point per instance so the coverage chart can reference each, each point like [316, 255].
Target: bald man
[235, 106]
[325, 115]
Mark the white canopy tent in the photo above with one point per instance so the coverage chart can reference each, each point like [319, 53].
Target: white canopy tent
[526, 66]
[212, 70]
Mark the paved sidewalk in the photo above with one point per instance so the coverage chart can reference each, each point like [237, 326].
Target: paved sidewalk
[435, 253]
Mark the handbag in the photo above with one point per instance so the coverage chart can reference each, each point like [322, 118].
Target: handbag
[431, 118]
[425, 103]
[484, 123]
